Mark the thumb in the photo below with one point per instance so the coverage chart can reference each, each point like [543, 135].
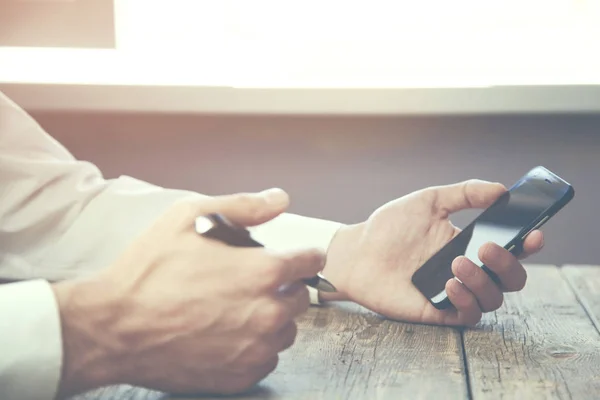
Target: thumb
[248, 209]
[473, 193]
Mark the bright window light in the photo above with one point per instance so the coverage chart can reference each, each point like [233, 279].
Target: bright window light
[332, 43]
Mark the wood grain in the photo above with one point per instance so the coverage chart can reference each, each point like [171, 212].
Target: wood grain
[585, 281]
[122, 393]
[346, 352]
[539, 345]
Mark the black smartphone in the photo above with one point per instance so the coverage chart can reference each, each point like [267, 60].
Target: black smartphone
[526, 206]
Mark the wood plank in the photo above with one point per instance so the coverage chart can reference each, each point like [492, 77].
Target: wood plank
[122, 392]
[585, 281]
[346, 352]
[539, 345]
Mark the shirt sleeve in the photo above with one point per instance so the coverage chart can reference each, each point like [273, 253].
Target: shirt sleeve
[30, 341]
[60, 218]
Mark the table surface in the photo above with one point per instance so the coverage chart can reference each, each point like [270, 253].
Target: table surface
[543, 343]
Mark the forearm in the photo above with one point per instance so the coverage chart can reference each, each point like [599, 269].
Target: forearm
[61, 219]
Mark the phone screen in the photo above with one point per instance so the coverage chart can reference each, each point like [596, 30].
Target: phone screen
[506, 219]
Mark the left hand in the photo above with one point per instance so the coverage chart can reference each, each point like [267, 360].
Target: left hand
[372, 263]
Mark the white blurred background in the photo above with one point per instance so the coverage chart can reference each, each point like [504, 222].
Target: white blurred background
[333, 43]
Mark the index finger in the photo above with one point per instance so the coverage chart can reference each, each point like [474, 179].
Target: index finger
[247, 209]
[291, 267]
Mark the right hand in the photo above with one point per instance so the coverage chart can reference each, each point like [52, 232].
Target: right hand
[184, 314]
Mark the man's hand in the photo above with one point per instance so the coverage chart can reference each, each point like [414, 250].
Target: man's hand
[181, 313]
[372, 263]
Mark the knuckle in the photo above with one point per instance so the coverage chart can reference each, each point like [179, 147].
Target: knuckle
[429, 196]
[290, 336]
[272, 269]
[302, 299]
[303, 296]
[261, 352]
[272, 318]
[469, 188]
[182, 212]
[315, 259]
[186, 208]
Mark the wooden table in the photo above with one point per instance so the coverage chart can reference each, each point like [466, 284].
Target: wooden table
[543, 343]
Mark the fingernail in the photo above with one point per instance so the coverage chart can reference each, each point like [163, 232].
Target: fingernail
[275, 197]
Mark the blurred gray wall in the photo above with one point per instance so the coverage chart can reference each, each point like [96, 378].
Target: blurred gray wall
[343, 168]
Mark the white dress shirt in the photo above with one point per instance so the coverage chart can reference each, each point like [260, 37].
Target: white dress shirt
[59, 218]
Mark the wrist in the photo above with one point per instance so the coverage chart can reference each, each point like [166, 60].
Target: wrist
[338, 266]
[88, 312]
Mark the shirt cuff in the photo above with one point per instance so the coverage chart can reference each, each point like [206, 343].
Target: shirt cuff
[291, 231]
[313, 295]
[30, 341]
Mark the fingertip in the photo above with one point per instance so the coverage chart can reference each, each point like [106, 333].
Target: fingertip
[276, 197]
[457, 261]
[454, 266]
[456, 292]
[485, 184]
[464, 301]
[245, 208]
[302, 263]
[313, 254]
[501, 186]
[534, 242]
[488, 251]
[458, 265]
[318, 258]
